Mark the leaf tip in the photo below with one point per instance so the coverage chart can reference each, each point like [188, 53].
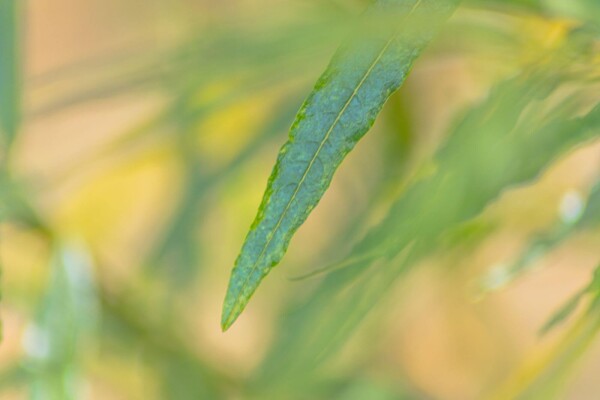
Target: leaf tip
[227, 319]
[224, 326]
[231, 311]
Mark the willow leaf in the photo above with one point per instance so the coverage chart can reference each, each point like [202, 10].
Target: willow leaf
[339, 111]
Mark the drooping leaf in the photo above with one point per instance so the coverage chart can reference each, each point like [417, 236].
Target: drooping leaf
[339, 111]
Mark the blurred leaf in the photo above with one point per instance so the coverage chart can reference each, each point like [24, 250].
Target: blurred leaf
[590, 218]
[15, 205]
[10, 79]
[210, 52]
[581, 9]
[511, 149]
[563, 313]
[183, 374]
[14, 376]
[592, 289]
[339, 111]
[576, 214]
[67, 316]
[357, 388]
[545, 375]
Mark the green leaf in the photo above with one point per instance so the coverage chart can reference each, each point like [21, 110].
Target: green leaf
[339, 111]
[9, 71]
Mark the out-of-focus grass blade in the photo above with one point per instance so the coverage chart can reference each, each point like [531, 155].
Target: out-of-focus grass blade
[593, 289]
[67, 316]
[339, 111]
[563, 313]
[10, 76]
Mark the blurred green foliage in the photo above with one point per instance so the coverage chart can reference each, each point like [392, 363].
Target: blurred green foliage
[10, 71]
[420, 197]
